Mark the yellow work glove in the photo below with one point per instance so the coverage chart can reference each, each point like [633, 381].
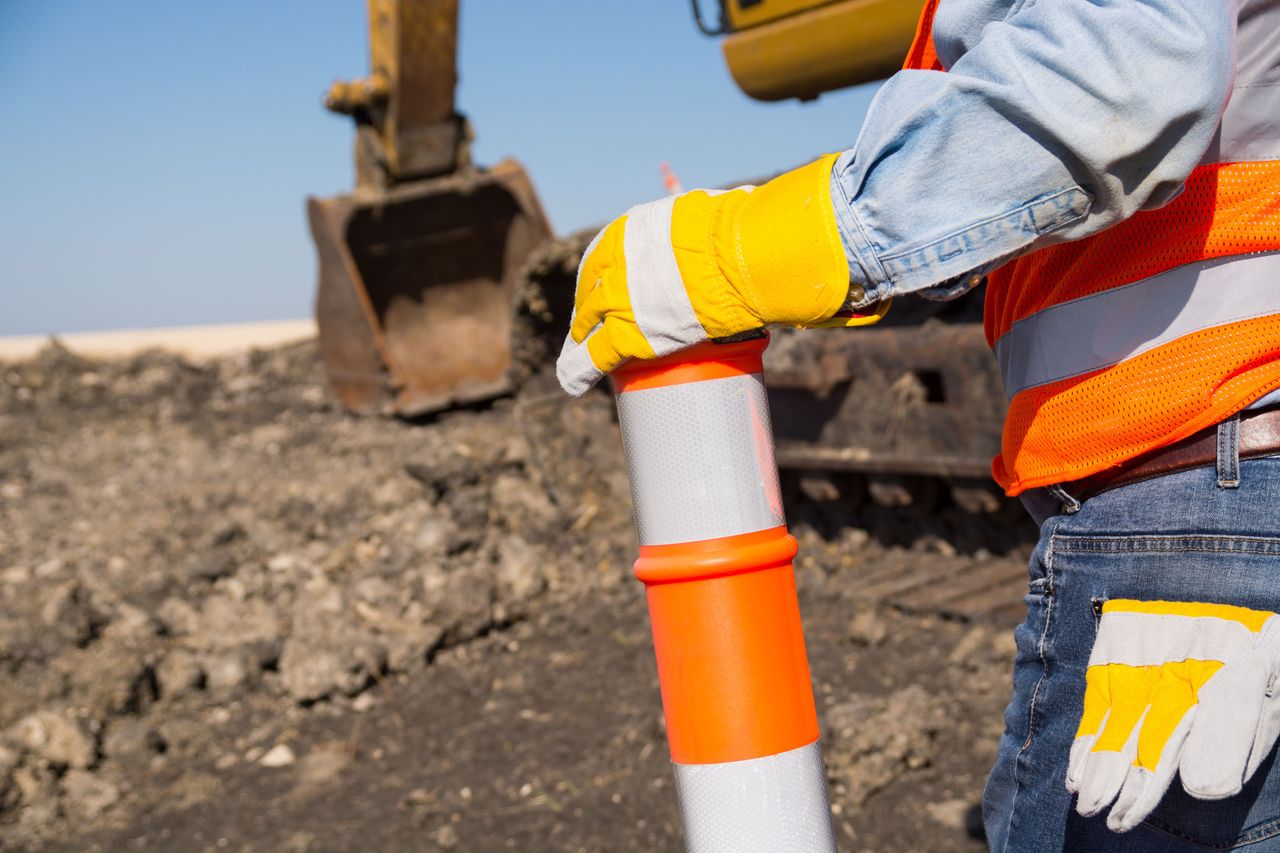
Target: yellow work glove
[708, 265]
[1174, 687]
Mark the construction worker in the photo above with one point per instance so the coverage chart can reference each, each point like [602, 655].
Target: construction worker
[1111, 168]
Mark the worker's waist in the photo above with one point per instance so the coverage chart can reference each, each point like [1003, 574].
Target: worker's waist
[1258, 435]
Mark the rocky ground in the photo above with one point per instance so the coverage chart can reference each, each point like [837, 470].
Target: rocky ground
[234, 617]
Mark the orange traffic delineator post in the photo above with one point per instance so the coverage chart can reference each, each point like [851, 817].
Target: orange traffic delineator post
[715, 558]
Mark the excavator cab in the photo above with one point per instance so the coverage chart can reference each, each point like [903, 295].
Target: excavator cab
[778, 49]
[419, 265]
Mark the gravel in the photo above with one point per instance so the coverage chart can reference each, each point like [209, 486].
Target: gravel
[229, 610]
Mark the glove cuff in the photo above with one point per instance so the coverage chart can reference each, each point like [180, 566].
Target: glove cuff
[788, 250]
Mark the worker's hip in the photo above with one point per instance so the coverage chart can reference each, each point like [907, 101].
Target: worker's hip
[1246, 435]
[1208, 534]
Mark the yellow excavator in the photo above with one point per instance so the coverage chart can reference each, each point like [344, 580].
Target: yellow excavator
[779, 49]
[442, 284]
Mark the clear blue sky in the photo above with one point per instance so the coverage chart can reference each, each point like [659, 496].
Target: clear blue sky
[155, 156]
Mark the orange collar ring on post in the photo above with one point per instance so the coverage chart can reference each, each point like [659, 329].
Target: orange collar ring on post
[715, 558]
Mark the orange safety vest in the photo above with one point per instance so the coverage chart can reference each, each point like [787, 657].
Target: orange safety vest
[1161, 326]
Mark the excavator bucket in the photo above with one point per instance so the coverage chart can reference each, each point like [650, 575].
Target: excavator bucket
[418, 286]
[419, 265]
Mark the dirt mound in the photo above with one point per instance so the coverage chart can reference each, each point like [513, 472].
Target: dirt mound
[233, 615]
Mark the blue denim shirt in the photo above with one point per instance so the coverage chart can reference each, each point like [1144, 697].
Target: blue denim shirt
[1055, 120]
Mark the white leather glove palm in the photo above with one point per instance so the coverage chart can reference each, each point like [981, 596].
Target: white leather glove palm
[1174, 688]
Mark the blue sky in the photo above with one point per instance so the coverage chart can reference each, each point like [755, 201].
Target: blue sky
[155, 156]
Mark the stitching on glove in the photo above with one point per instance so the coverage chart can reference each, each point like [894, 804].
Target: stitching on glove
[747, 282]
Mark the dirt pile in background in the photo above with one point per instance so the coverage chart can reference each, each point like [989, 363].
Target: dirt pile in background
[233, 616]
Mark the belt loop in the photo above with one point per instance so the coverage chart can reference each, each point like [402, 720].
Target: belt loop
[1229, 453]
[1070, 505]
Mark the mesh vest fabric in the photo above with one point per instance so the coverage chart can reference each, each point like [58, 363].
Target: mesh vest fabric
[1061, 428]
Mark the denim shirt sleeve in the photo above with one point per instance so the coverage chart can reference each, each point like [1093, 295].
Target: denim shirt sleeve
[1055, 120]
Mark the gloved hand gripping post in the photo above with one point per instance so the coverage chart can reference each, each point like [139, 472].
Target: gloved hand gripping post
[715, 558]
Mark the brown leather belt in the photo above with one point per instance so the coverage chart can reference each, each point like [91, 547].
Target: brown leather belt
[1259, 436]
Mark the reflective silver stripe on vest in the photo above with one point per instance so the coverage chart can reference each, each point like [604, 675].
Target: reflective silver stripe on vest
[1250, 129]
[776, 804]
[701, 460]
[1098, 331]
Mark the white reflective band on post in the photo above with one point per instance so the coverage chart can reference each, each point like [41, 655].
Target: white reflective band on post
[775, 804]
[700, 455]
[1097, 331]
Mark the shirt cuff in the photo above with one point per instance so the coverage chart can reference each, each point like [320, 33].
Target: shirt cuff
[972, 249]
[868, 283]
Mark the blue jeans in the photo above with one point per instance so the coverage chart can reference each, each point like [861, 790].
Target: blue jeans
[1197, 535]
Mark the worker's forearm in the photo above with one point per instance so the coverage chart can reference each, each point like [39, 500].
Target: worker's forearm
[1061, 120]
